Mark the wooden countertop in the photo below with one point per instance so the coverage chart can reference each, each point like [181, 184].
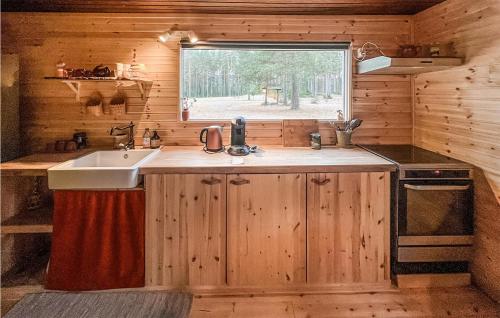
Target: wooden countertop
[270, 159]
[38, 163]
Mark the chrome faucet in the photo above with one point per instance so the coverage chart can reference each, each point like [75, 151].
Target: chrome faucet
[130, 135]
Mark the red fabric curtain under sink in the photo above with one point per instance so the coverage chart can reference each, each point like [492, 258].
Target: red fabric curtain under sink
[97, 240]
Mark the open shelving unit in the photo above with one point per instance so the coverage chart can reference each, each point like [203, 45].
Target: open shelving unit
[75, 84]
[26, 233]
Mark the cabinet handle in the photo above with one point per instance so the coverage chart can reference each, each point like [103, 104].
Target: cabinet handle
[239, 181]
[436, 187]
[211, 181]
[318, 182]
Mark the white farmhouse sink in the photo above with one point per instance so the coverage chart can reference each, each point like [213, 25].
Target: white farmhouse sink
[116, 169]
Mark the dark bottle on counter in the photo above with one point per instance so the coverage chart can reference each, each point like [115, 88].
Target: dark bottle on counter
[155, 140]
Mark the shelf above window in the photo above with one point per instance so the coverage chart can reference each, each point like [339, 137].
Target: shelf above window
[75, 83]
[405, 65]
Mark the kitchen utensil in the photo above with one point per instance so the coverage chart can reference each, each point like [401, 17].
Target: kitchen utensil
[353, 124]
[213, 139]
[340, 125]
[238, 145]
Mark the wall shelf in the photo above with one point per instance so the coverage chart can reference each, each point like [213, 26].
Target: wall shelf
[75, 83]
[405, 65]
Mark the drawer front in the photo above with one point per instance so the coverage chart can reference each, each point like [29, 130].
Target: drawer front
[434, 254]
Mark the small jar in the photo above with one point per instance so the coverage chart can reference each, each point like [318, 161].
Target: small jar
[315, 141]
[185, 114]
[61, 69]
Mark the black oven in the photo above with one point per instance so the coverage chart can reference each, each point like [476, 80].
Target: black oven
[435, 208]
[434, 218]
[431, 210]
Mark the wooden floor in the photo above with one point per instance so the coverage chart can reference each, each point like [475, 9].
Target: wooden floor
[438, 302]
[445, 302]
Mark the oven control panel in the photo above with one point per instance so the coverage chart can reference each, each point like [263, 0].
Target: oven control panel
[436, 174]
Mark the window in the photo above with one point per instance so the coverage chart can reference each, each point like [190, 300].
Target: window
[265, 81]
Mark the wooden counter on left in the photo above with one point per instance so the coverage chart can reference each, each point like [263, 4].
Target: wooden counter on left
[38, 163]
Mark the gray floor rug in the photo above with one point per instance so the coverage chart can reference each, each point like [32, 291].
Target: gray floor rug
[103, 305]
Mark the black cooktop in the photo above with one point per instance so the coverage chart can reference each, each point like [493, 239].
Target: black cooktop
[411, 155]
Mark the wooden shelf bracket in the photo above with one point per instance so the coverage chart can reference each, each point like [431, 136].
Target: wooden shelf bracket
[75, 87]
[140, 84]
[142, 89]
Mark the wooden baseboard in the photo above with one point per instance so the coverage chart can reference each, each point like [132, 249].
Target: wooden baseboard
[433, 280]
[299, 289]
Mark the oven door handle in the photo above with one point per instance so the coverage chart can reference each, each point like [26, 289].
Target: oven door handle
[436, 187]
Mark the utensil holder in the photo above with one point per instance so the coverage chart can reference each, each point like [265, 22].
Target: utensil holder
[343, 138]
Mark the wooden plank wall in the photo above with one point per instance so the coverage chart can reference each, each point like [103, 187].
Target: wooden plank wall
[49, 110]
[457, 112]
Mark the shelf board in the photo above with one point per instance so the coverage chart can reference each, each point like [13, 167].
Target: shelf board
[405, 65]
[35, 221]
[75, 83]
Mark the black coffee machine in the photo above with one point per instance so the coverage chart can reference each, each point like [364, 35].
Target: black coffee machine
[238, 145]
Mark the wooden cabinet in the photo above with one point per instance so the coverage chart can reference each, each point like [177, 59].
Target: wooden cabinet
[185, 230]
[266, 230]
[348, 227]
[282, 229]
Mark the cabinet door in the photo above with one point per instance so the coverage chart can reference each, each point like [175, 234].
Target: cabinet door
[347, 227]
[185, 230]
[266, 229]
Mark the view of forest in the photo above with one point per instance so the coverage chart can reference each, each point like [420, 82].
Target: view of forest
[262, 84]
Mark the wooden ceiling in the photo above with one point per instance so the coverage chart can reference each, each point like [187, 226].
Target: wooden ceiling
[312, 7]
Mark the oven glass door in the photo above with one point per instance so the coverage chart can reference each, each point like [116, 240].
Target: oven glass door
[435, 207]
